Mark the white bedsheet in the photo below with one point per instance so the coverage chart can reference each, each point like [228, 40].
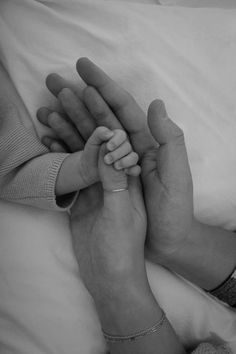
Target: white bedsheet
[200, 3]
[185, 56]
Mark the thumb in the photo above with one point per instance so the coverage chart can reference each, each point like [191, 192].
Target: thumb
[162, 128]
[111, 178]
[115, 188]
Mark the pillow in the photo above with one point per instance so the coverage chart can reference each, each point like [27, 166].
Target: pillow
[200, 3]
[185, 56]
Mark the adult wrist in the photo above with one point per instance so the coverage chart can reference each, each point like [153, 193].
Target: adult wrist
[176, 258]
[131, 308]
[113, 284]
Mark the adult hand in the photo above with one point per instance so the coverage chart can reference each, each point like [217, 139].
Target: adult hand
[168, 187]
[109, 231]
[170, 222]
[102, 103]
[166, 175]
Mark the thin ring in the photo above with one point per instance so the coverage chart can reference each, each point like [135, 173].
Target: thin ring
[116, 190]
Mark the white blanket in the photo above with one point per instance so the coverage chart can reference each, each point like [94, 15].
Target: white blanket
[200, 3]
[186, 57]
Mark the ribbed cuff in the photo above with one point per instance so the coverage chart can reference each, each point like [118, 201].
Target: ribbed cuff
[63, 202]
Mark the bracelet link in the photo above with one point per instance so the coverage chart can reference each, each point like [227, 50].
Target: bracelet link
[226, 291]
[134, 336]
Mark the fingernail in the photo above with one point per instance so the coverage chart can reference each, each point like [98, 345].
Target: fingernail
[110, 146]
[53, 119]
[162, 110]
[108, 159]
[46, 140]
[118, 166]
[109, 134]
[64, 93]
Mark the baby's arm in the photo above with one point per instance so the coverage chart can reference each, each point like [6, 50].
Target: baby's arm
[28, 171]
[80, 169]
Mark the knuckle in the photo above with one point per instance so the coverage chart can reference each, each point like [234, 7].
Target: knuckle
[123, 134]
[128, 146]
[129, 99]
[135, 156]
[118, 164]
[99, 112]
[179, 136]
[100, 130]
[53, 119]
[113, 155]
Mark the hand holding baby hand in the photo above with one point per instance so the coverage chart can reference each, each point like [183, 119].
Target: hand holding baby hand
[108, 229]
[168, 187]
[119, 153]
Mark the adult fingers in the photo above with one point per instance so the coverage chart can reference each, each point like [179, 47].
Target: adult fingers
[55, 83]
[66, 132]
[111, 179]
[130, 115]
[99, 109]
[121, 102]
[53, 145]
[116, 198]
[63, 129]
[44, 112]
[162, 128]
[42, 115]
[70, 100]
[77, 112]
[171, 159]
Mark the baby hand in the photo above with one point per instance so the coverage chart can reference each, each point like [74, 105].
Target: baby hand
[80, 169]
[120, 154]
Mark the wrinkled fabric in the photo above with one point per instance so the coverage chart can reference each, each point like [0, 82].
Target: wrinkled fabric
[184, 56]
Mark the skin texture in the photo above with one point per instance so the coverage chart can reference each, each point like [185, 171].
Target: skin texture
[108, 232]
[165, 168]
[83, 164]
[122, 216]
[175, 238]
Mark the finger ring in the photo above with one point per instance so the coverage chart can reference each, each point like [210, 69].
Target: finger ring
[116, 190]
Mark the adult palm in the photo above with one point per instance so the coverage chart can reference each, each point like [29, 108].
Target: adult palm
[166, 174]
[108, 230]
[168, 188]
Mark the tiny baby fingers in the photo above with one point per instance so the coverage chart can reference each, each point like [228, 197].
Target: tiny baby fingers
[77, 112]
[117, 154]
[65, 131]
[100, 135]
[119, 138]
[133, 171]
[127, 161]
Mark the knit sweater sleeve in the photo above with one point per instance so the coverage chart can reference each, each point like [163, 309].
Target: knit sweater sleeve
[207, 348]
[28, 171]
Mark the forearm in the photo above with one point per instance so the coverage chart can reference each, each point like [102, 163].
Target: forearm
[72, 176]
[207, 258]
[26, 177]
[130, 309]
[28, 172]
